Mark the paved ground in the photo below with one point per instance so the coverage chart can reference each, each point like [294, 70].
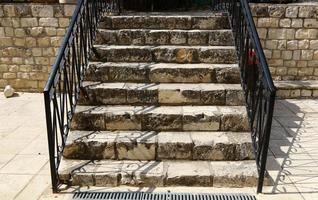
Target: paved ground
[24, 169]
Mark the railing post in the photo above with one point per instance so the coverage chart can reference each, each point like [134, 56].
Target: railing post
[267, 130]
[51, 140]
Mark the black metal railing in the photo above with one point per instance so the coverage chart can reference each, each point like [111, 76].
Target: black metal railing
[256, 79]
[65, 80]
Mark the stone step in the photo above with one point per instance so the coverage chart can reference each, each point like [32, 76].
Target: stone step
[163, 73]
[213, 21]
[95, 93]
[172, 54]
[297, 89]
[165, 37]
[109, 173]
[162, 118]
[150, 145]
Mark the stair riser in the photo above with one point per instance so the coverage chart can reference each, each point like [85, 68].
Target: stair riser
[165, 22]
[148, 74]
[155, 149]
[160, 122]
[155, 96]
[154, 174]
[162, 54]
[149, 37]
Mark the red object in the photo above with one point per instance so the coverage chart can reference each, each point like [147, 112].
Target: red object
[252, 57]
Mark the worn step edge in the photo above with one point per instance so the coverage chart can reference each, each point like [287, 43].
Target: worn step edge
[95, 93]
[150, 145]
[164, 53]
[150, 21]
[297, 89]
[159, 173]
[163, 72]
[165, 37]
[161, 118]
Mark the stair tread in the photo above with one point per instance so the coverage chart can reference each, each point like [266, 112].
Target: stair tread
[123, 109]
[159, 173]
[164, 65]
[161, 86]
[105, 47]
[164, 30]
[151, 145]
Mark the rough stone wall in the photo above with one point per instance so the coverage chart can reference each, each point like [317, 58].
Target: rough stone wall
[30, 36]
[289, 35]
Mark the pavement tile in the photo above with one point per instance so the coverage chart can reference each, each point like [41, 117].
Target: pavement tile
[24, 164]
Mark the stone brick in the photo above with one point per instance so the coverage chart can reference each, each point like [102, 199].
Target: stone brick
[262, 32]
[2, 34]
[311, 23]
[36, 31]
[276, 11]
[64, 22]
[69, 10]
[306, 93]
[50, 31]
[36, 51]
[306, 34]
[314, 44]
[9, 10]
[9, 75]
[29, 22]
[292, 71]
[302, 63]
[296, 55]
[42, 10]
[9, 32]
[19, 41]
[291, 12]
[285, 23]
[306, 11]
[5, 22]
[292, 44]
[281, 33]
[281, 45]
[267, 22]
[48, 22]
[271, 44]
[297, 23]
[22, 10]
[303, 44]
[44, 42]
[276, 54]
[30, 42]
[16, 22]
[307, 54]
[287, 55]
[290, 63]
[19, 32]
[315, 56]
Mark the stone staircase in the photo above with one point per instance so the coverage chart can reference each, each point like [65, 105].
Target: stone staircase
[161, 105]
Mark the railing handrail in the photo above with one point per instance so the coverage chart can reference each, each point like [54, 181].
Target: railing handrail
[57, 62]
[258, 86]
[64, 83]
[258, 45]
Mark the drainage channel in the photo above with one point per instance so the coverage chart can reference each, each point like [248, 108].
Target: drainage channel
[158, 196]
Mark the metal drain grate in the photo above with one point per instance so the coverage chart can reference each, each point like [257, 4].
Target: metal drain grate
[157, 196]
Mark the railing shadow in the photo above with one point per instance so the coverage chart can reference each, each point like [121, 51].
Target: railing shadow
[293, 157]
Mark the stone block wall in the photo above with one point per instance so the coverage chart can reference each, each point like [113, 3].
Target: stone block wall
[289, 35]
[30, 36]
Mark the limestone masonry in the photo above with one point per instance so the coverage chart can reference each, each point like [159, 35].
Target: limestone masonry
[289, 35]
[30, 36]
